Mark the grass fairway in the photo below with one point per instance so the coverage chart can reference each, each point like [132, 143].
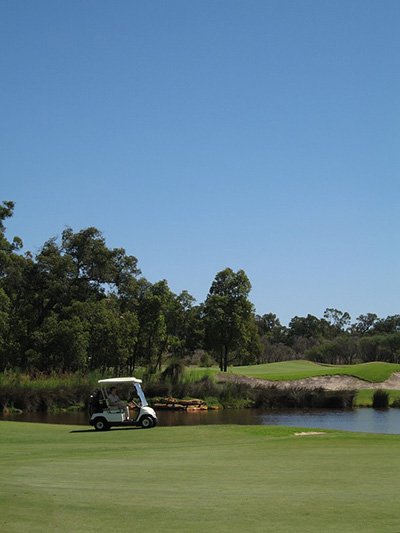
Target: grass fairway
[196, 479]
[290, 370]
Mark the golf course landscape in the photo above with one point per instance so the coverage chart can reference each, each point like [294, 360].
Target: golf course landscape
[291, 370]
[197, 479]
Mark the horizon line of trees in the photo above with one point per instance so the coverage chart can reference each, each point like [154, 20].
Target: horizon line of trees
[78, 305]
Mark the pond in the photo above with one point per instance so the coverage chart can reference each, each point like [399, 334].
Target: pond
[360, 420]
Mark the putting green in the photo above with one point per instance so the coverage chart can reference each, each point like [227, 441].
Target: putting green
[196, 479]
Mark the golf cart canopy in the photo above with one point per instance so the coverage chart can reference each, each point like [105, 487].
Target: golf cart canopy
[119, 380]
[135, 382]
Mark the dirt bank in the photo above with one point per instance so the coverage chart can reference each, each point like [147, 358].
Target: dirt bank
[324, 382]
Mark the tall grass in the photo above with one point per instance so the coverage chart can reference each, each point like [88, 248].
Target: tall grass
[41, 392]
[235, 395]
[380, 399]
[193, 375]
[41, 381]
[298, 398]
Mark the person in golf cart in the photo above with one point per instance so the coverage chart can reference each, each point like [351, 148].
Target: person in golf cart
[107, 410]
[114, 401]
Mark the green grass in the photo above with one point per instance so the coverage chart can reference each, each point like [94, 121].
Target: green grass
[196, 479]
[291, 370]
[193, 375]
[364, 397]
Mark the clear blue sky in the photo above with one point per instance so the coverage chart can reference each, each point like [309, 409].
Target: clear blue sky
[255, 134]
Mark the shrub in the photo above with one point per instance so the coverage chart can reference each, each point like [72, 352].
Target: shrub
[298, 398]
[43, 398]
[236, 395]
[380, 399]
[174, 371]
[212, 402]
[152, 390]
[206, 360]
[336, 400]
[203, 388]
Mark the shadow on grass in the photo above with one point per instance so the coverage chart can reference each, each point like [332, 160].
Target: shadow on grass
[108, 431]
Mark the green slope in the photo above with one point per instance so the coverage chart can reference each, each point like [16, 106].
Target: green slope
[291, 370]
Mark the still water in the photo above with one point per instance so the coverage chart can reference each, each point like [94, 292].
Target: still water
[361, 420]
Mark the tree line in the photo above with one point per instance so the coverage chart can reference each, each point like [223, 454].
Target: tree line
[78, 305]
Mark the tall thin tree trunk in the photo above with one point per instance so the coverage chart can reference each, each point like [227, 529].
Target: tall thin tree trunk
[226, 353]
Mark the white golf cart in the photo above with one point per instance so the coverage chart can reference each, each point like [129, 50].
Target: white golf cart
[103, 416]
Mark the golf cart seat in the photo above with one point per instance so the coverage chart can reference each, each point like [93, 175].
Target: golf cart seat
[113, 408]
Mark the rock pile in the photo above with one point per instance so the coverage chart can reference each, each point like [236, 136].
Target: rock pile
[180, 405]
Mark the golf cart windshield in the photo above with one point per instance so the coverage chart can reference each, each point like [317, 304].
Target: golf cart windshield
[141, 394]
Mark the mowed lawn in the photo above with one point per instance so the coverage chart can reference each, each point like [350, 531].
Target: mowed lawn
[290, 370]
[196, 479]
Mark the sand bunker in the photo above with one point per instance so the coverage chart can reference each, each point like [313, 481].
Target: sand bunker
[323, 382]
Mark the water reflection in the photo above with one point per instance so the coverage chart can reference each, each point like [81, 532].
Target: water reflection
[361, 420]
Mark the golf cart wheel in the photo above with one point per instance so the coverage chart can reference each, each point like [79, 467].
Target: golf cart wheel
[101, 424]
[147, 422]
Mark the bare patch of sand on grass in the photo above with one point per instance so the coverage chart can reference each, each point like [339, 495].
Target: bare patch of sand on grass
[303, 433]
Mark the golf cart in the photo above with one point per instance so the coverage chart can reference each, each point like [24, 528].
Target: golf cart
[103, 415]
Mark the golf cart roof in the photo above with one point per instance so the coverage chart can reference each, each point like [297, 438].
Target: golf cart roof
[119, 380]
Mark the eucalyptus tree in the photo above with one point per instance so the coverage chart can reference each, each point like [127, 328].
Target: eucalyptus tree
[111, 334]
[4, 327]
[93, 266]
[81, 269]
[167, 323]
[12, 289]
[270, 327]
[365, 324]
[229, 315]
[59, 345]
[308, 326]
[339, 321]
[7, 247]
[390, 324]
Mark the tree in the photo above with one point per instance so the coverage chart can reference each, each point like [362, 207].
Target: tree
[275, 352]
[390, 324]
[341, 350]
[269, 326]
[365, 323]
[60, 345]
[384, 347]
[308, 327]
[161, 318]
[338, 321]
[228, 314]
[12, 291]
[250, 353]
[112, 335]
[4, 327]
[7, 247]
[93, 264]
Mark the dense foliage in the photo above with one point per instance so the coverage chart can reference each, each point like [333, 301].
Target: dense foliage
[78, 305]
